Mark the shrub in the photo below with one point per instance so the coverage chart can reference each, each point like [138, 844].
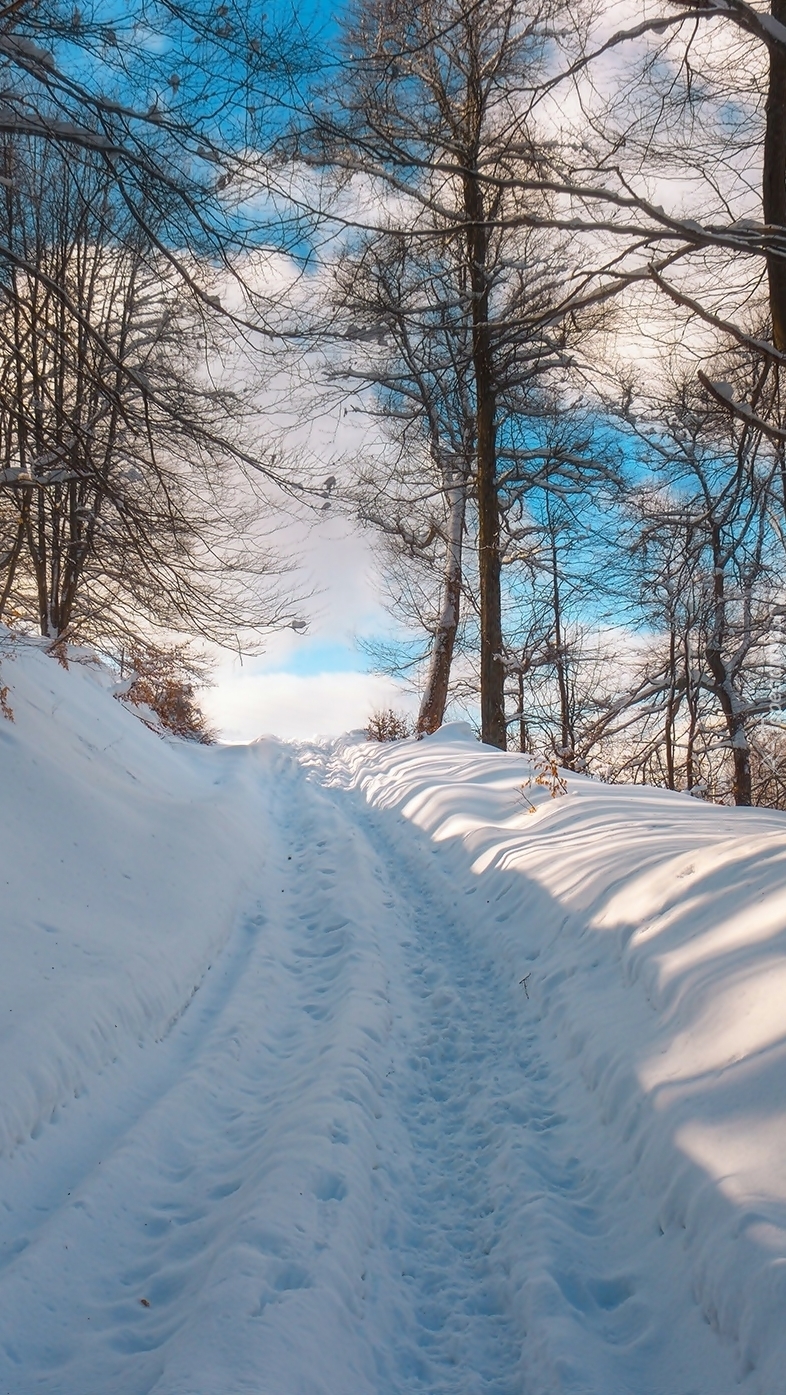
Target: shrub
[165, 680]
[545, 772]
[387, 725]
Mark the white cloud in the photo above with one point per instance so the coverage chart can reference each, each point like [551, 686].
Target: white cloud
[246, 704]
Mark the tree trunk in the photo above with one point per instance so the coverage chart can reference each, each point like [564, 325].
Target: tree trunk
[774, 177]
[566, 751]
[692, 699]
[724, 680]
[435, 696]
[11, 564]
[672, 707]
[492, 669]
[743, 789]
[523, 733]
[735, 726]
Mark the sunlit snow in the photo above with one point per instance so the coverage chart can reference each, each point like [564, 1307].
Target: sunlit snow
[331, 1069]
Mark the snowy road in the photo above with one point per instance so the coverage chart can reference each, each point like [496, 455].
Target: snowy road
[354, 1164]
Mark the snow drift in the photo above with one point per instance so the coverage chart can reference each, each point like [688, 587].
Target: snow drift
[650, 930]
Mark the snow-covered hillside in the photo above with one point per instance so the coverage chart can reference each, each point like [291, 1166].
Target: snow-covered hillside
[332, 1070]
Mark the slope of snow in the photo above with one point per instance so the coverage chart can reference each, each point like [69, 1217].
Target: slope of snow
[123, 859]
[652, 931]
[331, 1070]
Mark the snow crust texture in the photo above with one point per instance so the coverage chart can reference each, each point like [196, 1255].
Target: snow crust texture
[332, 1070]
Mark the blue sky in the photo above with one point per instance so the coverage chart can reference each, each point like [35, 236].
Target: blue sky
[324, 656]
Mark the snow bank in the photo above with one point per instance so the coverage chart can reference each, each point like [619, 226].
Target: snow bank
[123, 861]
[650, 931]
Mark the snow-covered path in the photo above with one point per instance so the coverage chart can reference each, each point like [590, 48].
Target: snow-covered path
[524, 1253]
[296, 1181]
[354, 1165]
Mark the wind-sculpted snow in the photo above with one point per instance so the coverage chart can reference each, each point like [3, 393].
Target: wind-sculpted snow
[351, 1077]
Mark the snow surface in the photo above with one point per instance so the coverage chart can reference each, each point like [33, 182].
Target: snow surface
[278, 1114]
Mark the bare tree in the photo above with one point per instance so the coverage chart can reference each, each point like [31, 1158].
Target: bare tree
[116, 502]
[709, 551]
[417, 497]
[426, 113]
[557, 516]
[175, 106]
[669, 168]
[172, 98]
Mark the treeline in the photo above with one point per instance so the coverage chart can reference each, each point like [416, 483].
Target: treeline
[540, 247]
[561, 288]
